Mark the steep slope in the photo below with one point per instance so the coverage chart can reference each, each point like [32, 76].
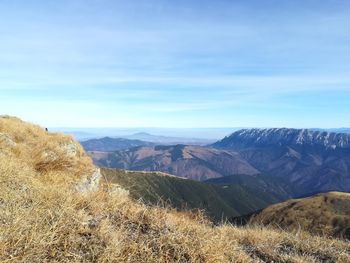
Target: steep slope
[108, 144]
[218, 202]
[193, 162]
[53, 210]
[312, 161]
[323, 214]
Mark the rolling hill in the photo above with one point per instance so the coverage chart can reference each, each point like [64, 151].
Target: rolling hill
[217, 202]
[322, 214]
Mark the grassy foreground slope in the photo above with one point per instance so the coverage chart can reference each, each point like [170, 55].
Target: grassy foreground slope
[323, 214]
[45, 217]
[218, 202]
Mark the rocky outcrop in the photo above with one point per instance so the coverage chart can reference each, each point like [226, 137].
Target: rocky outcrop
[90, 183]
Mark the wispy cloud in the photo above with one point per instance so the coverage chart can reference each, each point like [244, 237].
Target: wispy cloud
[141, 61]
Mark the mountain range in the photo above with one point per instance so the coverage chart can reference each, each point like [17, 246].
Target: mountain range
[108, 144]
[303, 161]
[167, 140]
[311, 161]
[193, 162]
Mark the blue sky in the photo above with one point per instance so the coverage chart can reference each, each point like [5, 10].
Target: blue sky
[183, 63]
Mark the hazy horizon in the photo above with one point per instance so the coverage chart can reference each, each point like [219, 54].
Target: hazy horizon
[162, 63]
[194, 133]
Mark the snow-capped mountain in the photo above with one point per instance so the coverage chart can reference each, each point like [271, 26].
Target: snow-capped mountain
[284, 136]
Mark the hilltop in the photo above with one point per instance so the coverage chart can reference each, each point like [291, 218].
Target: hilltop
[323, 214]
[55, 208]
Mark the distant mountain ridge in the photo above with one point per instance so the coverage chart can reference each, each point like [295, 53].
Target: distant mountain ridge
[312, 161]
[305, 161]
[283, 136]
[193, 162]
[108, 144]
[166, 140]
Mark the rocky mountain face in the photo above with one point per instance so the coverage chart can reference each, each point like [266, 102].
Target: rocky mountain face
[311, 161]
[193, 162]
[246, 138]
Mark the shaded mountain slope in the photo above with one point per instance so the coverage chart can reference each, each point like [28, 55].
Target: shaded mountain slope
[218, 202]
[323, 214]
[193, 162]
[276, 188]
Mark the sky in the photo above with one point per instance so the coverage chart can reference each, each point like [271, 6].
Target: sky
[179, 64]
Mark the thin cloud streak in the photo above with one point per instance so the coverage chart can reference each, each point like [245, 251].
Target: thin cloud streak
[197, 63]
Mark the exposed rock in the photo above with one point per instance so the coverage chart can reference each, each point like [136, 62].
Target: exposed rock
[90, 183]
[48, 155]
[70, 148]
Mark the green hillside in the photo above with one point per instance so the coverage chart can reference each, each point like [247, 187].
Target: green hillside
[218, 202]
[276, 189]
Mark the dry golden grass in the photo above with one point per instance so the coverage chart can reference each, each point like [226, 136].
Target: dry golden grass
[326, 214]
[43, 218]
